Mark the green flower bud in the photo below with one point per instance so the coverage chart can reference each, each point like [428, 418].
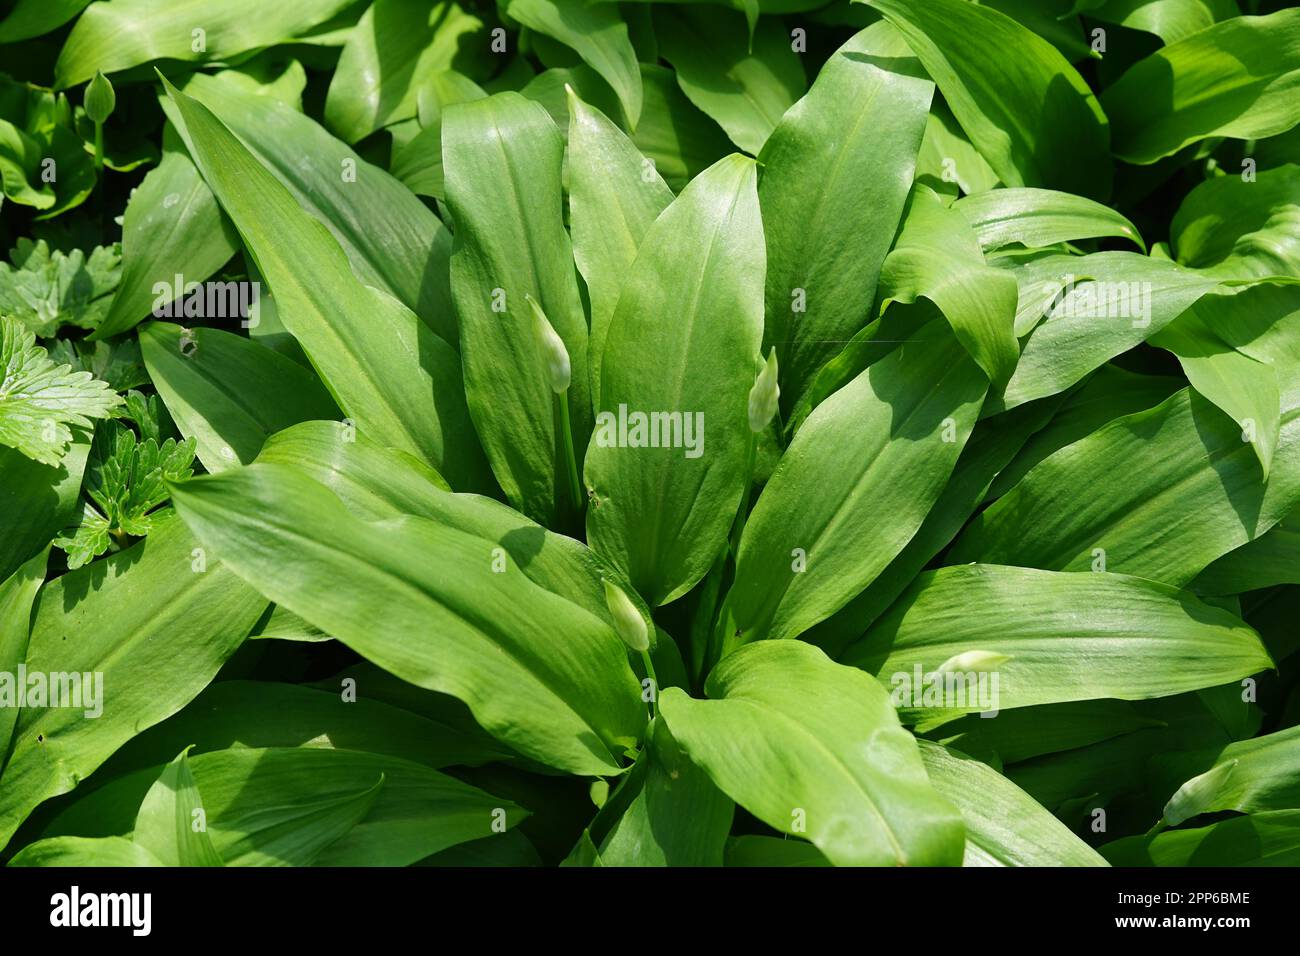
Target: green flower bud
[977, 661]
[627, 619]
[558, 369]
[99, 99]
[763, 396]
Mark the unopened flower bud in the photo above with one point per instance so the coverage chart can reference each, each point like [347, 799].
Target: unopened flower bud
[558, 370]
[627, 619]
[99, 99]
[763, 396]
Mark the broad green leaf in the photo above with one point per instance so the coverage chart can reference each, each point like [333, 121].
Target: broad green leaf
[815, 750]
[1028, 732]
[1236, 79]
[1031, 116]
[1041, 217]
[394, 48]
[418, 163]
[1244, 388]
[597, 33]
[46, 289]
[540, 673]
[669, 457]
[502, 159]
[1261, 839]
[947, 162]
[392, 241]
[37, 501]
[277, 624]
[155, 623]
[389, 373]
[678, 818]
[172, 823]
[1272, 558]
[173, 226]
[1171, 20]
[1110, 393]
[124, 33]
[1115, 496]
[992, 444]
[1004, 825]
[854, 486]
[673, 134]
[1242, 230]
[377, 483]
[1060, 637]
[836, 170]
[40, 402]
[614, 197]
[32, 18]
[1082, 311]
[318, 807]
[937, 255]
[235, 714]
[17, 593]
[1248, 776]
[71, 851]
[227, 393]
[746, 87]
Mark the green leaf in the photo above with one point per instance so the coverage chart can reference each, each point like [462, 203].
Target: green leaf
[33, 18]
[878, 454]
[1033, 118]
[173, 226]
[663, 495]
[673, 134]
[227, 393]
[1028, 732]
[1244, 388]
[389, 373]
[814, 749]
[41, 402]
[403, 252]
[597, 33]
[678, 817]
[418, 164]
[1261, 839]
[36, 500]
[257, 714]
[1235, 79]
[154, 626]
[539, 672]
[125, 33]
[17, 593]
[1241, 230]
[1116, 494]
[43, 161]
[1081, 311]
[937, 255]
[745, 87]
[839, 159]
[502, 159]
[1041, 217]
[1171, 20]
[1062, 637]
[394, 47]
[117, 363]
[1248, 776]
[1272, 558]
[71, 851]
[45, 290]
[171, 823]
[1004, 825]
[615, 195]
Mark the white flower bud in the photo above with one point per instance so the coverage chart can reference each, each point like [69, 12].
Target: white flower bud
[558, 369]
[627, 619]
[763, 396]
